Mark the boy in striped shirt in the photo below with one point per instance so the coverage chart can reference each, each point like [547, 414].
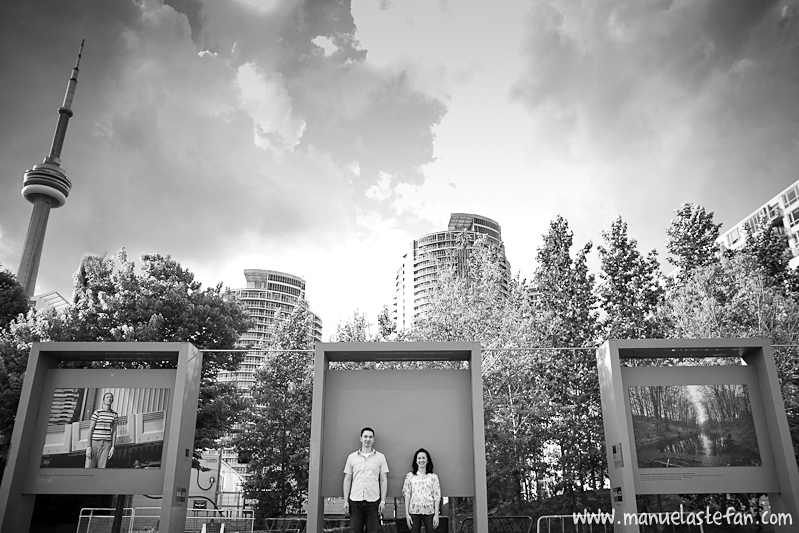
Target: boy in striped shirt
[102, 434]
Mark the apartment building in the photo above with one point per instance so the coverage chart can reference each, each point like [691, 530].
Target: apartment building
[781, 212]
[416, 276]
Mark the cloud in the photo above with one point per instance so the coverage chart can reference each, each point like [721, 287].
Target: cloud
[382, 189]
[209, 130]
[267, 102]
[328, 46]
[671, 94]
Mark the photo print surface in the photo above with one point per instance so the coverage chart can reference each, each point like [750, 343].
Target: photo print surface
[106, 428]
[688, 426]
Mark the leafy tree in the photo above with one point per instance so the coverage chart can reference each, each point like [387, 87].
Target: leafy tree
[163, 303]
[355, 329]
[277, 431]
[387, 327]
[737, 297]
[473, 300]
[691, 239]
[13, 301]
[767, 246]
[563, 297]
[469, 296]
[732, 298]
[563, 289]
[630, 289]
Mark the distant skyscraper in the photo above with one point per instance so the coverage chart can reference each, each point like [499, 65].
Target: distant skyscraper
[781, 212]
[417, 275]
[46, 186]
[268, 295]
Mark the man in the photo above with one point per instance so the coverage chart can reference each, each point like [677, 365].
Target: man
[365, 485]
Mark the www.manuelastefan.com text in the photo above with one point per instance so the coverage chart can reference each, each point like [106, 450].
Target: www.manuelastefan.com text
[692, 518]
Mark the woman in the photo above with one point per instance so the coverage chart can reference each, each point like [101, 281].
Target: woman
[422, 493]
[102, 434]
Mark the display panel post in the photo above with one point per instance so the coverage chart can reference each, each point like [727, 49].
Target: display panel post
[677, 429]
[438, 409]
[31, 470]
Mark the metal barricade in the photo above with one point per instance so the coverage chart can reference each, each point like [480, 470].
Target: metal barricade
[146, 520]
[284, 525]
[565, 523]
[298, 525]
[500, 524]
[100, 519]
[235, 521]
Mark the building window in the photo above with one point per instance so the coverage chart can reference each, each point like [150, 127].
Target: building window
[790, 196]
[793, 217]
[733, 236]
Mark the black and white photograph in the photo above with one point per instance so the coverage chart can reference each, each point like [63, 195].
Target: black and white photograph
[693, 426]
[106, 428]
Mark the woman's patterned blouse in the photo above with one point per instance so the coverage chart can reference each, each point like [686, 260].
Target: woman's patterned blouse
[421, 493]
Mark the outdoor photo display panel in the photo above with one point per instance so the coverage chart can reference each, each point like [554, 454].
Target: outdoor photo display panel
[408, 409]
[138, 421]
[698, 429]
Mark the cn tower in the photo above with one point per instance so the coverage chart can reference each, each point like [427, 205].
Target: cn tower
[46, 186]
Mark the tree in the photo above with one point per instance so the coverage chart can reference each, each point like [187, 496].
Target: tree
[563, 297]
[473, 299]
[767, 246]
[691, 239]
[736, 297]
[469, 296]
[13, 301]
[630, 289]
[277, 432]
[387, 327]
[733, 298]
[163, 303]
[563, 289]
[355, 329]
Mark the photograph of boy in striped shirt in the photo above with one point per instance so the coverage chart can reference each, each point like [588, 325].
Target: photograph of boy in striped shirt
[102, 434]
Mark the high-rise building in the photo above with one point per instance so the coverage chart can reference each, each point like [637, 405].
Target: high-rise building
[46, 186]
[268, 296]
[416, 277]
[50, 300]
[781, 212]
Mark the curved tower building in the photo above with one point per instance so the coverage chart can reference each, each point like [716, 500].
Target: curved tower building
[417, 275]
[268, 296]
[46, 186]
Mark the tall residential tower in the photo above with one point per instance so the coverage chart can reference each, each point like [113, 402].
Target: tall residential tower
[417, 275]
[46, 186]
[268, 296]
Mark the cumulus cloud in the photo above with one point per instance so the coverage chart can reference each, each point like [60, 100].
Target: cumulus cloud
[673, 93]
[328, 46]
[203, 129]
[267, 102]
[382, 189]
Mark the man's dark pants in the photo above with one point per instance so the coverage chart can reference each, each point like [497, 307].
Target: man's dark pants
[364, 517]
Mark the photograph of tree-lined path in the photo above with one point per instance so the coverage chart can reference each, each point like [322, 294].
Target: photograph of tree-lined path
[693, 426]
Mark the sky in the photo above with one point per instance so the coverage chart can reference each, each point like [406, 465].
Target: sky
[320, 138]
